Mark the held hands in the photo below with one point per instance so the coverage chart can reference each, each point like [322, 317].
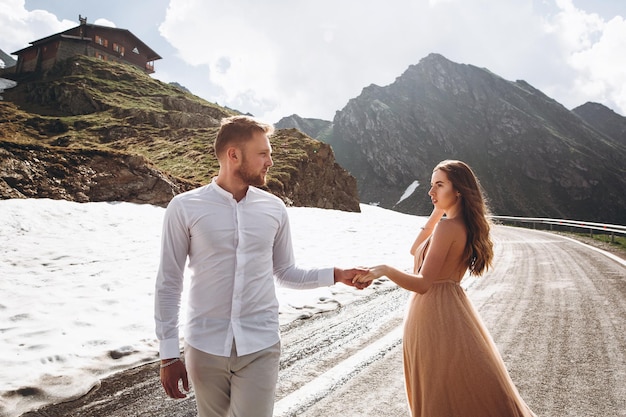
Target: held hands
[370, 275]
[170, 375]
[348, 277]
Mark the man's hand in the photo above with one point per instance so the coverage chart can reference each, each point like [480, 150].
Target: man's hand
[170, 375]
[348, 277]
[370, 275]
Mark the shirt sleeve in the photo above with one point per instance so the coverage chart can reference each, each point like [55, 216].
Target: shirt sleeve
[287, 273]
[169, 282]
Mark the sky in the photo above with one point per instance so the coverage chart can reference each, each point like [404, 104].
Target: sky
[276, 58]
[75, 310]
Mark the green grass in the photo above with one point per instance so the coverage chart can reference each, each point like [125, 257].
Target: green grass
[618, 241]
[139, 116]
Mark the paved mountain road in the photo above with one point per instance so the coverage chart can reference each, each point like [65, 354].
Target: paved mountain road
[556, 309]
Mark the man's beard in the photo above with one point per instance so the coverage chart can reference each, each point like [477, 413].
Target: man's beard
[256, 179]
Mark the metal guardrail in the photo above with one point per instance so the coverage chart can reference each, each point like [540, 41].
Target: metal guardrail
[611, 229]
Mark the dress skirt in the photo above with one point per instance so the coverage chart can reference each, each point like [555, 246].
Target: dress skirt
[452, 367]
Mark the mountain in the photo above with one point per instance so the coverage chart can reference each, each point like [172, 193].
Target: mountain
[315, 128]
[94, 130]
[604, 120]
[6, 60]
[533, 156]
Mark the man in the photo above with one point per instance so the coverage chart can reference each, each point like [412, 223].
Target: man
[237, 239]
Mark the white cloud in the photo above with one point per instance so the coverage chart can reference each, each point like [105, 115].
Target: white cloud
[602, 66]
[575, 28]
[237, 46]
[594, 52]
[19, 27]
[104, 22]
[311, 56]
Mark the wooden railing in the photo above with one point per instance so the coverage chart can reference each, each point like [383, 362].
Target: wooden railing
[570, 225]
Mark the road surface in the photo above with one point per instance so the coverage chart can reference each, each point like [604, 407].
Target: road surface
[555, 308]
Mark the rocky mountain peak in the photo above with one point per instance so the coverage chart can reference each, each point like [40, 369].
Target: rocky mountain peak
[604, 120]
[533, 156]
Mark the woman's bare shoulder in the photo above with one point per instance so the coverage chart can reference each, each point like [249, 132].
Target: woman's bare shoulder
[450, 230]
[454, 225]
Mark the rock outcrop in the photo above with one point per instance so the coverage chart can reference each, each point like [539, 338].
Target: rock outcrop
[32, 171]
[315, 128]
[315, 179]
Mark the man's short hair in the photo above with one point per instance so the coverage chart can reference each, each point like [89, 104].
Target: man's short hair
[236, 130]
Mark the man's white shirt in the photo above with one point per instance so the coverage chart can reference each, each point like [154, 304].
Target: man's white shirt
[235, 250]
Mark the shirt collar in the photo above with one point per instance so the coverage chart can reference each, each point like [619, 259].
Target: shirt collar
[226, 194]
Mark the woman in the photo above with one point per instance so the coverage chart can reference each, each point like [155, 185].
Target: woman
[451, 364]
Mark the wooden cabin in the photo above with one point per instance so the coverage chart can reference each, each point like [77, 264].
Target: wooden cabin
[107, 43]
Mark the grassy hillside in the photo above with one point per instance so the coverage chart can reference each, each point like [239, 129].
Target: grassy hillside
[86, 103]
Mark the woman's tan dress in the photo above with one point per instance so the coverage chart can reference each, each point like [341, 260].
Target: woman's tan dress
[452, 367]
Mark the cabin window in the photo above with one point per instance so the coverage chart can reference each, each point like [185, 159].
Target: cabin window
[101, 41]
[118, 48]
[135, 50]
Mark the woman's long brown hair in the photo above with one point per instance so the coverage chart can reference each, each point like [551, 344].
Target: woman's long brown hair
[479, 247]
